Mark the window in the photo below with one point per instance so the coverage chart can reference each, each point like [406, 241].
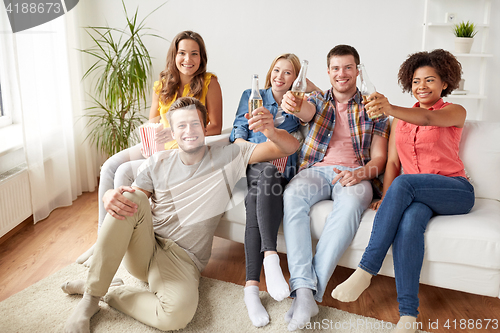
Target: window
[11, 135]
[1, 105]
[5, 118]
[6, 70]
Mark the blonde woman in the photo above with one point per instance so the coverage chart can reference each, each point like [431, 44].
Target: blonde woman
[264, 201]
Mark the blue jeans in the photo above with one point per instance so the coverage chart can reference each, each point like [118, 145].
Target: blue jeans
[308, 187]
[401, 220]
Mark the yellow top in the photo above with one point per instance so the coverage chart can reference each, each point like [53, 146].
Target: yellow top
[163, 108]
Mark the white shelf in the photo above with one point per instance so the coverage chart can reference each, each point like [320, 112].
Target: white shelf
[451, 25]
[474, 69]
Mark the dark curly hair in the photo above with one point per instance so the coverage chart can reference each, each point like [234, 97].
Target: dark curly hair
[444, 63]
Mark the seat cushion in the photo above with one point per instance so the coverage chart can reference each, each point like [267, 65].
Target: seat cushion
[471, 239]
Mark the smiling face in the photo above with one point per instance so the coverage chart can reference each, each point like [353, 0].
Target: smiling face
[427, 86]
[187, 59]
[343, 73]
[188, 129]
[282, 76]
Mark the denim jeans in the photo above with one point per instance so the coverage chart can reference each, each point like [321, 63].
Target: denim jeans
[401, 220]
[264, 212]
[120, 169]
[308, 187]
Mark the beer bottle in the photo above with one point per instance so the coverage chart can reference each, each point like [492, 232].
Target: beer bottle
[366, 86]
[255, 100]
[299, 86]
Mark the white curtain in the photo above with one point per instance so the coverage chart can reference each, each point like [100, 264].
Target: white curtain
[48, 77]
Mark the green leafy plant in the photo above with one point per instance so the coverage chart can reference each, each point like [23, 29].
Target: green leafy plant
[122, 74]
[465, 29]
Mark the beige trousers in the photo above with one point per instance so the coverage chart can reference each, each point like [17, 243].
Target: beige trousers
[172, 276]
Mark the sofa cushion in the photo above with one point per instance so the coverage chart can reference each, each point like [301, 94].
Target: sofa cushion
[480, 152]
[471, 239]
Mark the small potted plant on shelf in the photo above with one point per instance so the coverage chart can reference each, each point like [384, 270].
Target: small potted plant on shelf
[464, 36]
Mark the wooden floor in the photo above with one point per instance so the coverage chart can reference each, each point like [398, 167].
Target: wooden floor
[37, 251]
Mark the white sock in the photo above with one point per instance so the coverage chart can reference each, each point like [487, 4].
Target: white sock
[305, 308]
[257, 313]
[353, 287]
[79, 321]
[87, 263]
[78, 286]
[275, 281]
[85, 256]
[289, 313]
[406, 324]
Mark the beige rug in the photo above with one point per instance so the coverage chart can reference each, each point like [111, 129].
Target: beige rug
[43, 307]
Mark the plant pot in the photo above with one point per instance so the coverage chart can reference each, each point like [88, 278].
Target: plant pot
[461, 84]
[463, 44]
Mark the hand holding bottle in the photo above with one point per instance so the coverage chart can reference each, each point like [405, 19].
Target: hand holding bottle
[367, 90]
[288, 103]
[261, 120]
[377, 105]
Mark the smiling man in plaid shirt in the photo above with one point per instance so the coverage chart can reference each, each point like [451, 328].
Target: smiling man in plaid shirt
[342, 156]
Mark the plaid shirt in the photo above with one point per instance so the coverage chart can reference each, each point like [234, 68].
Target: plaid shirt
[322, 125]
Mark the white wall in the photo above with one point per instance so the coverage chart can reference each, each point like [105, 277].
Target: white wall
[243, 37]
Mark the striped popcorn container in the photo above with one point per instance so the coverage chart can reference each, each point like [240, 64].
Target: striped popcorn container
[148, 143]
[280, 163]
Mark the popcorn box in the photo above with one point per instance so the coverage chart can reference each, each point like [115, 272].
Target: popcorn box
[148, 142]
[280, 163]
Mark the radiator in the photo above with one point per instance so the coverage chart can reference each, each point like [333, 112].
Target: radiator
[15, 198]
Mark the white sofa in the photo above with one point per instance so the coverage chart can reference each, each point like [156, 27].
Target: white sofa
[462, 251]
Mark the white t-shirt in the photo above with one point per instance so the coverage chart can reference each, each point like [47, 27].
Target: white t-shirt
[189, 200]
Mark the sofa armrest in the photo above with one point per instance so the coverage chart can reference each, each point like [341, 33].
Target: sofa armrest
[221, 139]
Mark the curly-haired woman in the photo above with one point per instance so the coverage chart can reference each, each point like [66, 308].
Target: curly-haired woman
[424, 141]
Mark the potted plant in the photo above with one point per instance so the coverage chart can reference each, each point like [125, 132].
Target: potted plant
[464, 36]
[122, 74]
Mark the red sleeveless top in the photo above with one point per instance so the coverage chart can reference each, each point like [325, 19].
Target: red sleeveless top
[429, 149]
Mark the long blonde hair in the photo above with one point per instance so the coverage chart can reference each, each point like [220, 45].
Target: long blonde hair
[170, 78]
[288, 56]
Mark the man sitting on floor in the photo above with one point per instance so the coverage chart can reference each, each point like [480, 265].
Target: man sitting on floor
[168, 243]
